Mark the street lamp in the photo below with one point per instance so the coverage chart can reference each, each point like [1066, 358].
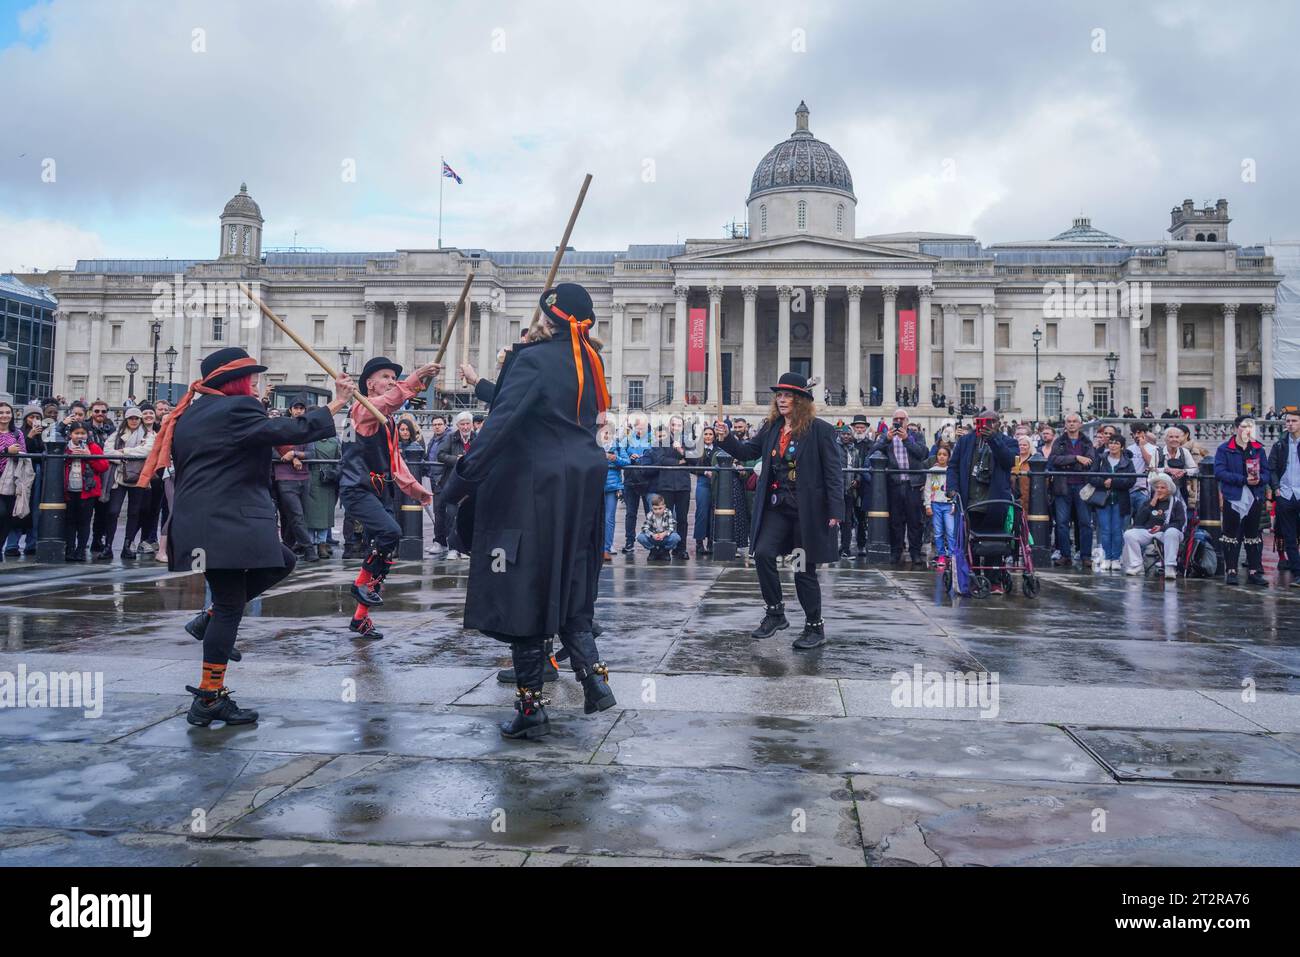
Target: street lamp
[171, 362]
[132, 367]
[1060, 393]
[1038, 385]
[1080, 398]
[1112, 363]
[153, 383]
[344, 355]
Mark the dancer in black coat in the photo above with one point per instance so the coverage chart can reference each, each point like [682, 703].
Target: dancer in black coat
[799, 503]
[538, 526]
[219, 439]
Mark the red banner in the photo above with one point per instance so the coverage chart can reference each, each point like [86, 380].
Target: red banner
[907, 342]
[1188, 411]
[697, 337]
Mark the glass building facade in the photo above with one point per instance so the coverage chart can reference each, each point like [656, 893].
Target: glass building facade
[27, 313]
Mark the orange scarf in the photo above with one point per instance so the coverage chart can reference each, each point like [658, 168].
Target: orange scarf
[161, 455]
[578, 334]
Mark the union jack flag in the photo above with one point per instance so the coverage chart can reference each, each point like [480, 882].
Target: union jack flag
[450, 173]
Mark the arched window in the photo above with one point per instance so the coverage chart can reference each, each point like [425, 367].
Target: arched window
[839, 218]
[247, 233]
[230, 246]
[1200, 237]
[801, 220]
[762, 219]
[1212, 238]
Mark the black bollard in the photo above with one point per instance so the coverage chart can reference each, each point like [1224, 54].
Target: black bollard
[410, 516]
[878, 511]
[51, 545]
[1039, 518]
[724, 508]
[1208, 509]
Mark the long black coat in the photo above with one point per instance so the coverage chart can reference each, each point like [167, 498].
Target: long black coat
[539, 504]
[819, 484]
[222, 502]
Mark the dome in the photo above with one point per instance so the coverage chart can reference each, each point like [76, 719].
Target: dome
[1083, 231]
[241, 204]
[802, 162]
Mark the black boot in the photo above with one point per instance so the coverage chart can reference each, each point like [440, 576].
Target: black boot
[814, 634]
[198, 627]
[773, 621]
[550, 668]
[209, 706]
[365, 628]
[590, 671]
[530, 720]
[367, 595]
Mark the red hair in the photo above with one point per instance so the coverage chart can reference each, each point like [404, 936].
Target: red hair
[241, 386]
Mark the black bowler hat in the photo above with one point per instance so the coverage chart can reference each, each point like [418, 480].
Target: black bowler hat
[302, 400]
[860, 419]
[793, 382]
[374, 365]
[569, 298]
[220, 358]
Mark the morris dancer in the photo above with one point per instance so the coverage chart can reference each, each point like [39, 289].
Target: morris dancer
[219, 440]
[372, 470]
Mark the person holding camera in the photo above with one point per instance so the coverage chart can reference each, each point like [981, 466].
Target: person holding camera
[904, 450]
[980, 471]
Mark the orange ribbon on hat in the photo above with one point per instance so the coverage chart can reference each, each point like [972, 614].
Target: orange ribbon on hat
[578, 335]
[161, 455]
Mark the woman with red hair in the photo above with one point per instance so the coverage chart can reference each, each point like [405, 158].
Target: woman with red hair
[219, 441]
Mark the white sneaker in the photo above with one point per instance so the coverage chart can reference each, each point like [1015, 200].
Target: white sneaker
[1171, 573]
[1133, 571]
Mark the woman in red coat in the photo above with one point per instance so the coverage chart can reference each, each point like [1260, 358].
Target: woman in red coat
[81, 488]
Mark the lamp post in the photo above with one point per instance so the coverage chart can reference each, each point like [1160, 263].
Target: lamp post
[153, 382]
[132, 367]
[1080, 398]
[171, 362]
[344, 355]
[1038, 385]
[1112, 363]
[1060, 392]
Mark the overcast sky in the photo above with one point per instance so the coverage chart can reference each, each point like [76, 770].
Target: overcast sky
[997, 118]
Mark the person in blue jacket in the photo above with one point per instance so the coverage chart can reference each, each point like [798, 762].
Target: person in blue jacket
[1241, 468]
[980, 469]
[617, 457]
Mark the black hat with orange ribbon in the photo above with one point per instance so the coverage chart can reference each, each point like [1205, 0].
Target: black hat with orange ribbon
[569, 304]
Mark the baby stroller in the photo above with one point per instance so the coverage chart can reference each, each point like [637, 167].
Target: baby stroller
[990, 556]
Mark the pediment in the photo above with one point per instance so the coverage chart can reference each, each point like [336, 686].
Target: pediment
[804, 249]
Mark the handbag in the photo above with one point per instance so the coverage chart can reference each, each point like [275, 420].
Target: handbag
[1087, 492]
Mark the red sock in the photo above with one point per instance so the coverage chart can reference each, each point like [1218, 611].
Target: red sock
[361, 612]
[364, 577]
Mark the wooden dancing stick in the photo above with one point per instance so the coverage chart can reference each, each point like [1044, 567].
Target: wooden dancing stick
[460, 304]
[564, 243]
[283, 326]
[717, 355]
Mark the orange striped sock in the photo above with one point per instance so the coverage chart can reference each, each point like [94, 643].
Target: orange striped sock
[214, 677]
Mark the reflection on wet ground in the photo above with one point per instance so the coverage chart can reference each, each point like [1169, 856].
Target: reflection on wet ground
[1176, 707]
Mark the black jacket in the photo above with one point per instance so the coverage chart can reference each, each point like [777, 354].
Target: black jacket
[222, 502]
[1122, 478]
[670, 480]
[917, 456]
[1059, 460]
[819, 487]
[1174, 515]
[1277, 459]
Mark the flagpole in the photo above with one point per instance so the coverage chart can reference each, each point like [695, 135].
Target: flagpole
[442, 161]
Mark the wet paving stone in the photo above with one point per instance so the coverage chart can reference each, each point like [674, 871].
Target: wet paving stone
[122, 713]
[903, 748]
[648, 812]
[1201, 756]
[975, 823]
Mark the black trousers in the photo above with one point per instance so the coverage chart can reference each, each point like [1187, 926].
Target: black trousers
[904, 519]
[76, 523]
[151, 512]
[779, 535]
[1238, 531]
[439, 520]
[381, 530]
[1288, 523]
[633, 498]
[101, 512]
[679, 503]
[135, 500]
[291, 497]
[855, 518]
[232, 589]
[6, 516]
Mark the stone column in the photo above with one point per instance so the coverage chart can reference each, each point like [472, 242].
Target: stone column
[450, 374]
[951, 331]
[94, 386]
[196, 341]
[714, 341]
[615, 364]
[374, 332]
[1266, 394]
[924, 373]
[819, 338]
[783, 294]
[890, 384]
[853, 346]
[749, 357]
[1173, 342]
[486, 354]
[654, 337]
[1228, 401]
[679, 345]
[403, 337]
[988, 374]
[1134, 364]
[60, 371]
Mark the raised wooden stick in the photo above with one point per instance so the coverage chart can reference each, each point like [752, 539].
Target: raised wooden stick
[460, 304]
[283, 326]
[564, 243]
